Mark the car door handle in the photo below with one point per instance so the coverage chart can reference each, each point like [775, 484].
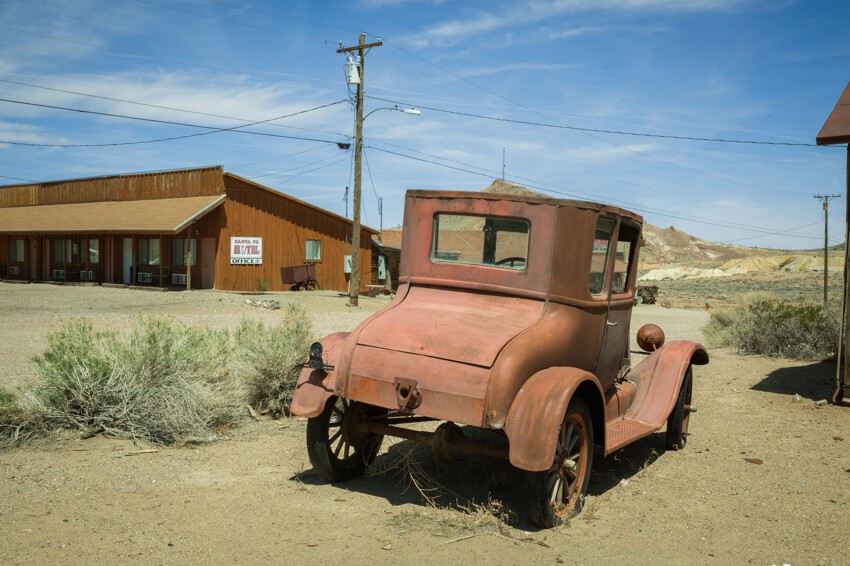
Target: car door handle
[609, 323]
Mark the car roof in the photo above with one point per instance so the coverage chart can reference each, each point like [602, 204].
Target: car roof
[581, 204]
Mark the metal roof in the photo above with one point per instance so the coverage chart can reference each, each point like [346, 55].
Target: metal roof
[836, 129]
[158, 216]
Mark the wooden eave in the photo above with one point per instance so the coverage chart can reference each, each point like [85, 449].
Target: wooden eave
[836, 129]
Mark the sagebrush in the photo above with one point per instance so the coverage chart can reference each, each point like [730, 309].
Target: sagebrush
[761, 323]
[270, 359]
[159, 382]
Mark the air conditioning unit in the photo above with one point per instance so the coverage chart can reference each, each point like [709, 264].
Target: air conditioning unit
[58, 274]
[143, 277]
[178, 278]
[86, 275]
[14, 270]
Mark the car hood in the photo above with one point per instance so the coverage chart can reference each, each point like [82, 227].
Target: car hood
[456, 325]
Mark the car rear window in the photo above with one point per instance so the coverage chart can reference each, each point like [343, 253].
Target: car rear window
[480, 240]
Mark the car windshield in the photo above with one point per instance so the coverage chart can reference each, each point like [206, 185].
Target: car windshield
[480, 240]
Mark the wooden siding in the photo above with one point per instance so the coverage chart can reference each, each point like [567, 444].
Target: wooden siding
[144, 186]
[284, 224]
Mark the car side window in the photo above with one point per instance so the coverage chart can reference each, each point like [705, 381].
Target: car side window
[626, 242]
[598, 260]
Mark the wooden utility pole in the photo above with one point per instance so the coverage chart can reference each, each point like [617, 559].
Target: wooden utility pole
[825, 199]
[354, 285]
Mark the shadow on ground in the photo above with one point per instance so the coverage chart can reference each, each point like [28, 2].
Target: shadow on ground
[814, 381]
[408, 474]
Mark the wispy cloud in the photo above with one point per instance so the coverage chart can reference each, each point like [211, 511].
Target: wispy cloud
[449, 33]
[496, 69]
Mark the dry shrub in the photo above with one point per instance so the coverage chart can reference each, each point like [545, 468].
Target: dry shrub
[16, 424]
[7, 398]
[270, 358]
[162, 383]
[760, 323]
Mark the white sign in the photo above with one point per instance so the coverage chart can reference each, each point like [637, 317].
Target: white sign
[246, 251]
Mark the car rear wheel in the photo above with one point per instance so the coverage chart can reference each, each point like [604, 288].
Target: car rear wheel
[677, 422]
[557, 494]
[337, 445]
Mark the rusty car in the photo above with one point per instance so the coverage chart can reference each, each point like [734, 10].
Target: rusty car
[512, 315]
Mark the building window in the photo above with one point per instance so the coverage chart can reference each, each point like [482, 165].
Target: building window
[61, 251]
[93, 246]
[16, 250]
[178, 252]
[314, 250]
[148, 251]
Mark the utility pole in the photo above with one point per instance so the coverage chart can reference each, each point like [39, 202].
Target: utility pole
[826, 199]
[345, 198]
[354, 285]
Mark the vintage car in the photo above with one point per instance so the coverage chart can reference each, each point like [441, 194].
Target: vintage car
[512, 314]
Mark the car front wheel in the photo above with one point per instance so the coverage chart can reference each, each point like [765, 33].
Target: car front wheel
[557, 494]
[677, 422]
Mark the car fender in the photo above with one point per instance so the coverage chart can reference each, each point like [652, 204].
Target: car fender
[660, 377]
[314, 386]
[537, 411]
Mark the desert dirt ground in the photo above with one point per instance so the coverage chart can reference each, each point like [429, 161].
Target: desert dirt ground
[764, 478]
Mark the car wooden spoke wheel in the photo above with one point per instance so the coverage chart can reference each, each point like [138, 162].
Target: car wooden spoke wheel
[337, 445]
[558, 493]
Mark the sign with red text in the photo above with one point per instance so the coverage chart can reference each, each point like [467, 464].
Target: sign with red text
[246, 251]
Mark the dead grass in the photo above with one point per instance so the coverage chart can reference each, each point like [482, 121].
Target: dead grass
[444, 510]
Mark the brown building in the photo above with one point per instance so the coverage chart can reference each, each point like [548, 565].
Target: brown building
[133, 229]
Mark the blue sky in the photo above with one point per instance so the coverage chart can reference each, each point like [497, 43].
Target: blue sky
[754, 70]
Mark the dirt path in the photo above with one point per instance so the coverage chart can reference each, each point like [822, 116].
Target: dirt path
[763, 480]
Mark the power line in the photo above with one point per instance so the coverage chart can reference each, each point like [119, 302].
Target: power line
[160, 107]
[598, 131]
[311, 171]
[528, 182]
[116, 53]
[582, 196]
[773, 233]
[287, 172]
[369, 170]
[236, 129]
[243, 165]
[18, 179]
[284, 17]
[691, 171]
[231, 22]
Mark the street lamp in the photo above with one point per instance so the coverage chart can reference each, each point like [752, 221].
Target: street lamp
[354, 284]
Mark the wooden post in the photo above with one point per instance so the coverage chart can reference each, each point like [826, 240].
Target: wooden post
[86, 251]
[65, 243]
[843, 386]
[134, 276]
[161, 256]
[188, 250]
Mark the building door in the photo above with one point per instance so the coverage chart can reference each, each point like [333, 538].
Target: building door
[207, 263]
[127, 261]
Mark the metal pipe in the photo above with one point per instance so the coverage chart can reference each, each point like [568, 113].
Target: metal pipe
[437, 441]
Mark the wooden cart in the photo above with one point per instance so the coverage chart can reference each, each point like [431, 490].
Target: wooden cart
[300, 277]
